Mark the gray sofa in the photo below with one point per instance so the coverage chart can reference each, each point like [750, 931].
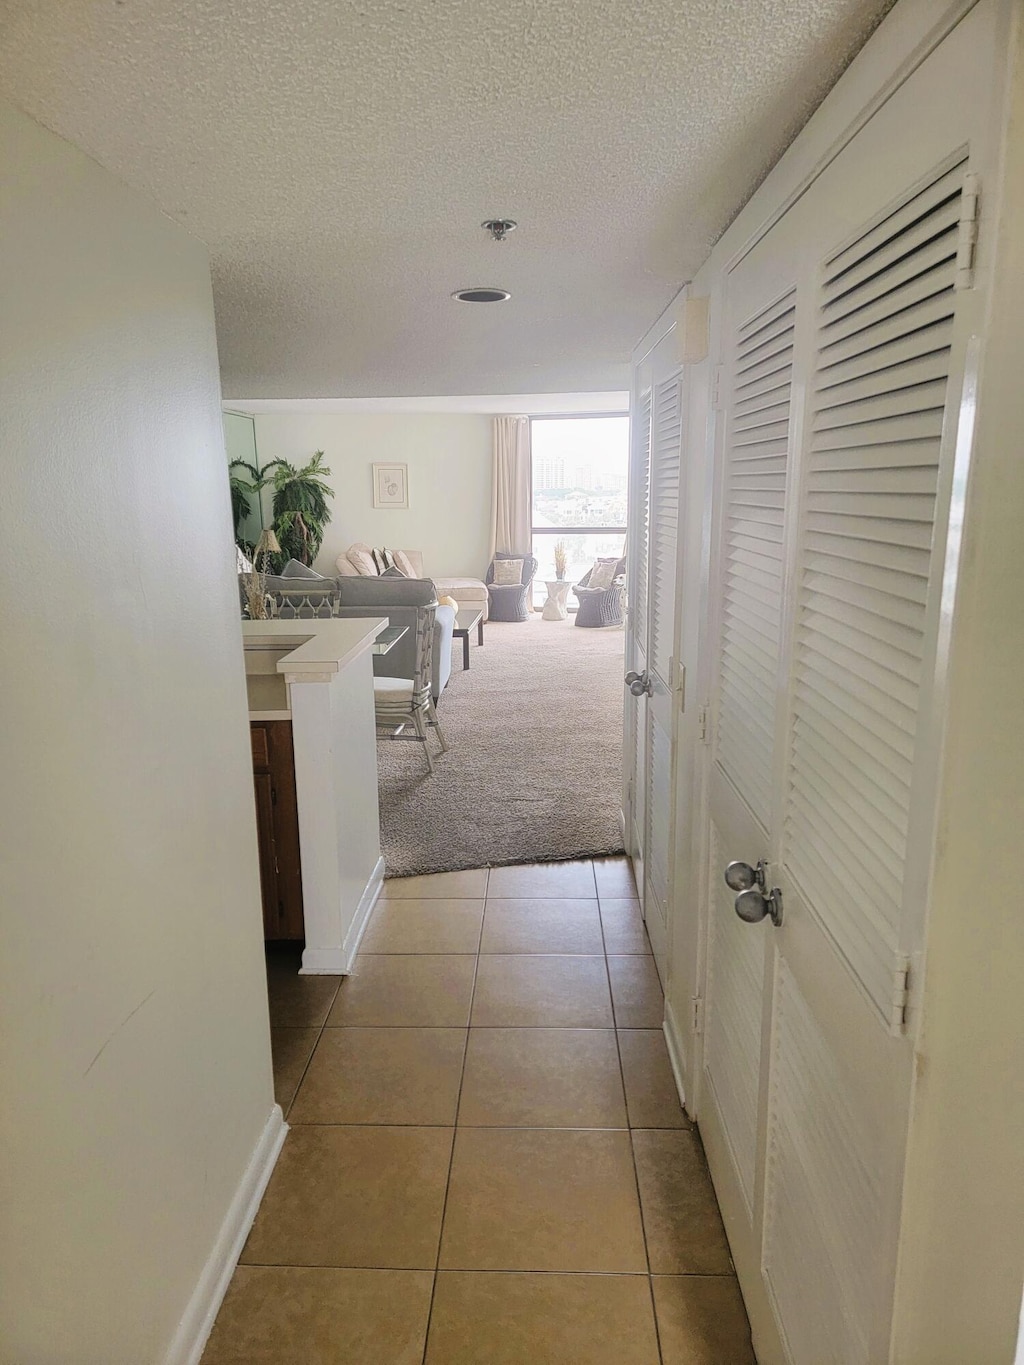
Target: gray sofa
[305, 596]
[397, 599]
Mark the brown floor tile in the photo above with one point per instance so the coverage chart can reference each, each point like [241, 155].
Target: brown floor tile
[542, 926]
[552, 992]
[424, 926]
[684, 1228]
[291, 1049]
[383, 1076]
[354, 1197]
[614, 877]
[286, 1315]
[542, 1199]
[517, 1319]
[542, 1078]
[651, 1095]
[298, 1001]
[440, 885]
[702, 1321]
[636, 992]
[421, 991]
[624, 930]
[542, 879]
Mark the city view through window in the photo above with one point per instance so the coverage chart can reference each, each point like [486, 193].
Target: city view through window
[580, 477]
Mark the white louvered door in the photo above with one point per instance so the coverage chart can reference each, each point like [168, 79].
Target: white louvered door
[666, 432]
[654, 518]
[637, 626]
[842, 364]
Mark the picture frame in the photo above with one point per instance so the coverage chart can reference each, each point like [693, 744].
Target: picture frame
[390, 485]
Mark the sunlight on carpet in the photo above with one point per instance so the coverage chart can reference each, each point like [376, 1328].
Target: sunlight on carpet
[534, 768]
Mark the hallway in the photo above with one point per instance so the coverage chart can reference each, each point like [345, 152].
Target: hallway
[487, 1160]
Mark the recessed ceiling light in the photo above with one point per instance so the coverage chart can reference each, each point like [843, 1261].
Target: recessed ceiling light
[481, 295]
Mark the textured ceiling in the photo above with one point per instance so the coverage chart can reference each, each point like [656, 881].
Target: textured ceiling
[338, 157]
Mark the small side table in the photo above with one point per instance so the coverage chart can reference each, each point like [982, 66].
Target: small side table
[554, 607]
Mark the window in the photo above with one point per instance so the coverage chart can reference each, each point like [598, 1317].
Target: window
[580, 477]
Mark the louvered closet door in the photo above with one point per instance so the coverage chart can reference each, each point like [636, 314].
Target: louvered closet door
[755, 478]
[865, 585]
[637, 627]
[841, 382]
[666, 431]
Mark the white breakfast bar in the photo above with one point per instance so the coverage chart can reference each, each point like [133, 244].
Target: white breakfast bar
[318, 675]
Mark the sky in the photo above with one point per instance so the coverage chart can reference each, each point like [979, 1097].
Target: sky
[602, 442]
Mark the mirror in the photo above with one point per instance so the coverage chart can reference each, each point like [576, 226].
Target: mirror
[246, 505]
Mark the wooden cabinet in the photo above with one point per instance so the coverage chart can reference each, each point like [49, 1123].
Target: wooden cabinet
[277, 822]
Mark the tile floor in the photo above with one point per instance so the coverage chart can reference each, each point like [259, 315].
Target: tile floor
[487, 1162]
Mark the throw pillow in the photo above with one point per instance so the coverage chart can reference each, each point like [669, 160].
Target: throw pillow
[393, 572]
[384, 559]
[362, 557]
[296, 569]
[403, 562]
[508, 572]
[602, 574]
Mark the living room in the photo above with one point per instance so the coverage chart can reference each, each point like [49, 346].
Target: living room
[528, 706]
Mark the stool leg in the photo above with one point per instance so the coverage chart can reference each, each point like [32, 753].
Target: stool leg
[421, 730]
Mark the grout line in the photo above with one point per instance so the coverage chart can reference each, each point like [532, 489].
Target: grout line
[316, 1043]
[632, 1153]
[477, 1270]
[455, 1134]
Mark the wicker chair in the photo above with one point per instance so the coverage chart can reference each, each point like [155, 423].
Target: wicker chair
[511, 601]
[399, 703]
[601, 606]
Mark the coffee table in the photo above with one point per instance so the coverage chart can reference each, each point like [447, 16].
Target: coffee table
[465, 620]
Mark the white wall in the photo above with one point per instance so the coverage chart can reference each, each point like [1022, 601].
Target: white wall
[449, 457]
[134, 1041]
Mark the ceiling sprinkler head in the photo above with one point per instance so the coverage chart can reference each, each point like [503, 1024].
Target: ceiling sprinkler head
[499, 228]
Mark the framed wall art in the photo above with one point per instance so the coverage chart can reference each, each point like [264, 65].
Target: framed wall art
[390, 485]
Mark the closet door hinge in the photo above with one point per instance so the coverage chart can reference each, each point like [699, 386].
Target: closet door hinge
[900, 994]
[703, 724]
[698, 1013]
[967, 237]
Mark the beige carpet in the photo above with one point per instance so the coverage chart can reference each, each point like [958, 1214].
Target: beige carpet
[534, 768]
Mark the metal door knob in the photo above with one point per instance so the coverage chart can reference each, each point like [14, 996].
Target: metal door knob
[638, 683]
[752, 906]
[741, 876]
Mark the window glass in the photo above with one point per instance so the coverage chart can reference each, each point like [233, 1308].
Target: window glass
[580, 477]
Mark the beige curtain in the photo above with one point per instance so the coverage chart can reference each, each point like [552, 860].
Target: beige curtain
[512, 494]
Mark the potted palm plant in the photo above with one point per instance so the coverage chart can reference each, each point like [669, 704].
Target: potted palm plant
[299, 510]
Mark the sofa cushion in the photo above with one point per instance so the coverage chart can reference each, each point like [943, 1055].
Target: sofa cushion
[404, 562]
[295, 569]
[362, 557]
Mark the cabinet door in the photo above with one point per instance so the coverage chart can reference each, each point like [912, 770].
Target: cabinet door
[277, 825]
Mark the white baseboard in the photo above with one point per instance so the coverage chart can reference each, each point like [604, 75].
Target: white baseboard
[194, 1328]
[339, 961]
[676, 1050]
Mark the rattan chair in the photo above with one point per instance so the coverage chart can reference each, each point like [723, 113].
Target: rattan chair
[510, 601]
[601, 606]
[401, 703]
